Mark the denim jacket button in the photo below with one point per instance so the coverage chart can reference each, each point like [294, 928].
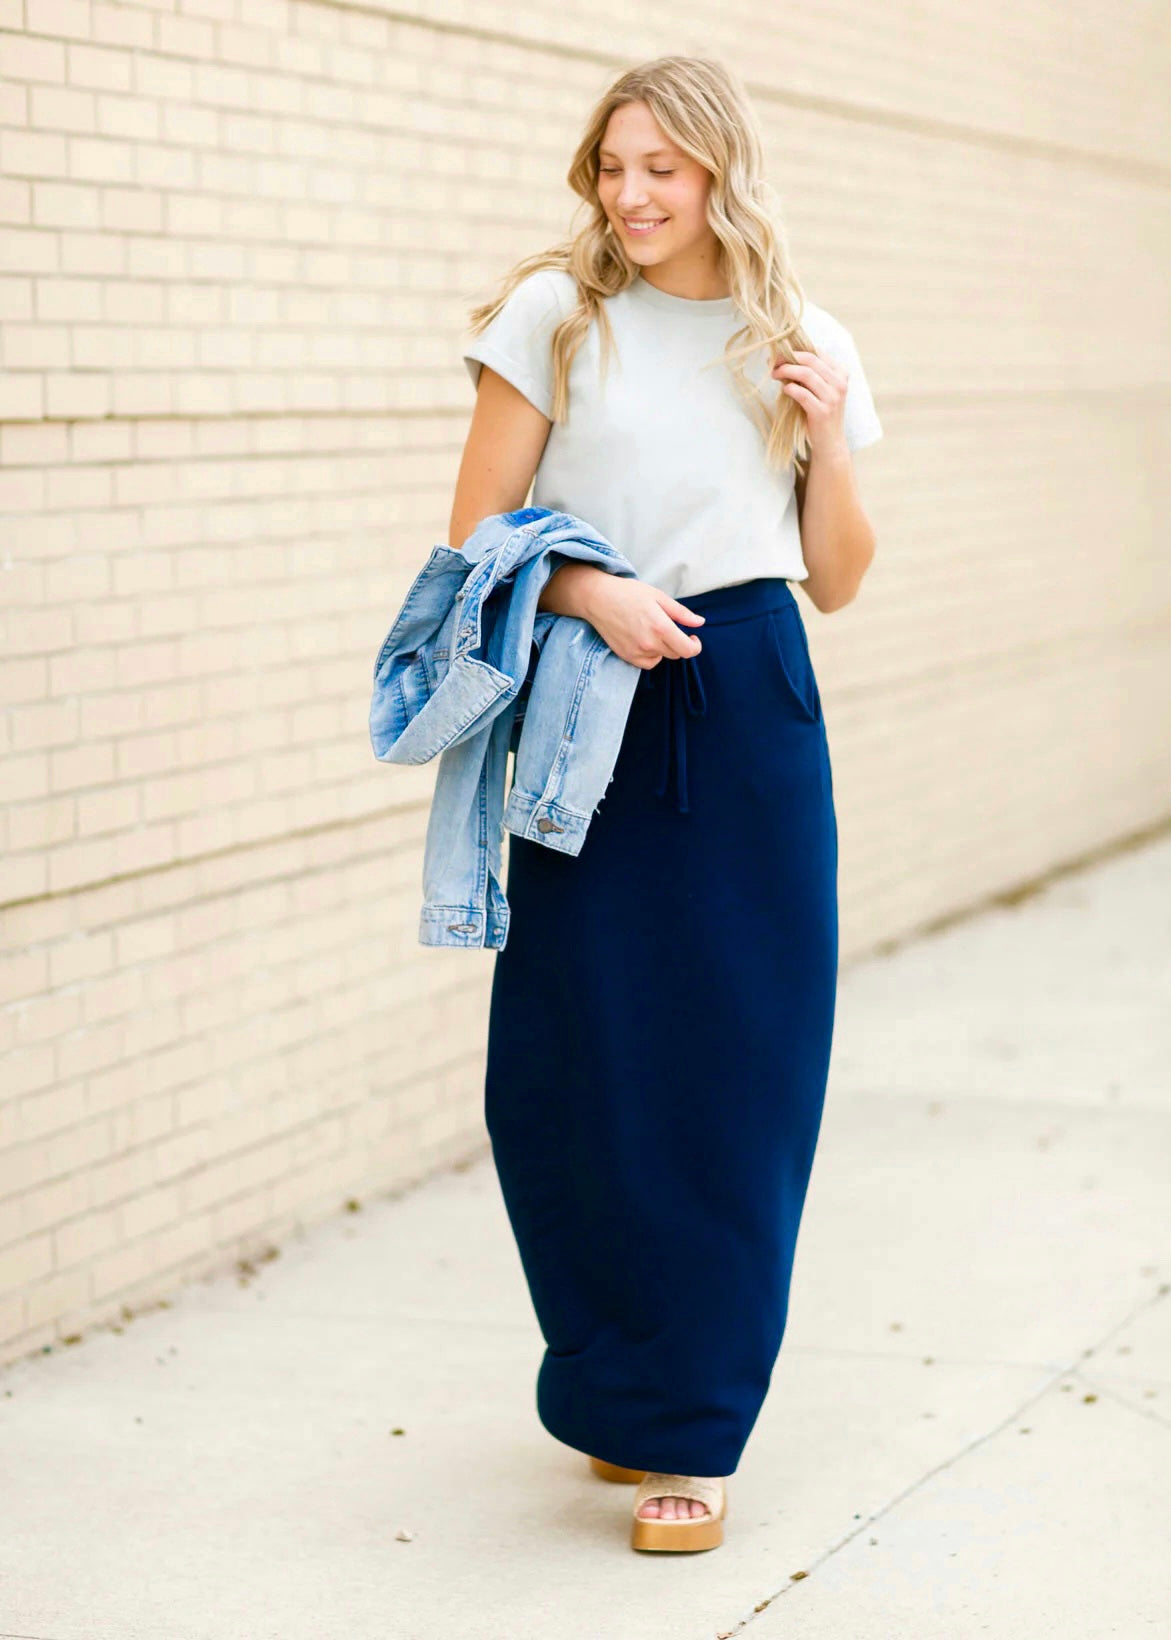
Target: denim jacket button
[545, 824]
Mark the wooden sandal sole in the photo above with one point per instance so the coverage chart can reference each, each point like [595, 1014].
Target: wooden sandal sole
[615, 1471]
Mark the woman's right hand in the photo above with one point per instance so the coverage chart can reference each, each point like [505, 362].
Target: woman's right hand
[637, 620]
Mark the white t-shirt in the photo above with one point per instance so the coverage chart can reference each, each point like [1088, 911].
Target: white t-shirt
[663, 458]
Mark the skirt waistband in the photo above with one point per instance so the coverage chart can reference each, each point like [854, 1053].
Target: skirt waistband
[738, 601]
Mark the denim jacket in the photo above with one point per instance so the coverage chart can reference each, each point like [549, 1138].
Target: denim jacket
[472, 670]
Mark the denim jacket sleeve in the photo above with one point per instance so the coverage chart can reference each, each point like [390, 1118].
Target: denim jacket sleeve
[471, 670]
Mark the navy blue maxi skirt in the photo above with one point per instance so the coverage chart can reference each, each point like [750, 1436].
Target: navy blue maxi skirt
[659, 1043]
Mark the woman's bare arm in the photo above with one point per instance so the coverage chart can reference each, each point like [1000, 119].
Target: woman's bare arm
[505, 439]
[505, 442]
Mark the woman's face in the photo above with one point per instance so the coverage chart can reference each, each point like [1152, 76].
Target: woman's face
[644, 178]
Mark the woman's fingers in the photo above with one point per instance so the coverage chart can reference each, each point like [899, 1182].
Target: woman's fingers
[817, 384]
[808, 365]
[644, 630]
[812, 377]
[680, 612]
[676, 643]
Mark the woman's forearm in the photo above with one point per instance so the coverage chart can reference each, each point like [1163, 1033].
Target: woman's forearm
[837, 538]
[568, 589]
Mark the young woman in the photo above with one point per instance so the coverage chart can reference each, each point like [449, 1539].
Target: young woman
[661, 1013]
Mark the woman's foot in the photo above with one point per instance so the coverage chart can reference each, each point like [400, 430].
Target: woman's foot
[669, 1506]
[665, 1516]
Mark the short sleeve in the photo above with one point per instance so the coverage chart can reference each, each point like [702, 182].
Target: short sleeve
[518, 343]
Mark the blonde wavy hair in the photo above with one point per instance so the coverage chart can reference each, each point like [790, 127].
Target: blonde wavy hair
[704, 108]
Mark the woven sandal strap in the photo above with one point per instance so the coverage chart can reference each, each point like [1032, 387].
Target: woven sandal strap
[707, 1489]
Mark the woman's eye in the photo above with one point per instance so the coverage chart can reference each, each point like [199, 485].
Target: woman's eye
[612, 170]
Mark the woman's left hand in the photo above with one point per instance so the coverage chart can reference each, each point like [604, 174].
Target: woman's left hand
[819, 387]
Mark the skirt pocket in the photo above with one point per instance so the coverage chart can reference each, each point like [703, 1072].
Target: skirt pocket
[794, 666]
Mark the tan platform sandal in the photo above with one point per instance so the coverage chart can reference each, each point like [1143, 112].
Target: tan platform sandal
[615, 1471]
[700, 1532]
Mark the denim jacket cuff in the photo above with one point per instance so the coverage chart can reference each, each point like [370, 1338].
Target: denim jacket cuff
[548, 823]
[463, 925]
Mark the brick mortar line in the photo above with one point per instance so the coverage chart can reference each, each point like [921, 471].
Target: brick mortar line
[1150, 171]
[360, 1064]
[193, 1268]
[204, 857]
[1156, 393]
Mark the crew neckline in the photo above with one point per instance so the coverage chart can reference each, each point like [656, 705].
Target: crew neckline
[700, 305]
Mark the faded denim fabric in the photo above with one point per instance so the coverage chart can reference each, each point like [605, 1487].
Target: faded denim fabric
[471, 670]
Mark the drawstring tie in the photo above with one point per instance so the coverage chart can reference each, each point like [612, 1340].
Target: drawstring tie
[681, 686]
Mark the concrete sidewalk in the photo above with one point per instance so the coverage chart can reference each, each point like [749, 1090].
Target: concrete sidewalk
[969, 1426]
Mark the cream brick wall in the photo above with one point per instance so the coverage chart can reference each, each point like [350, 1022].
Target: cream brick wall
[238, 241]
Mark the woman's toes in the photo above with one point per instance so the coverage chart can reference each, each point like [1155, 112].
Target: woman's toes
[683, 1508]
[670, 1506]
